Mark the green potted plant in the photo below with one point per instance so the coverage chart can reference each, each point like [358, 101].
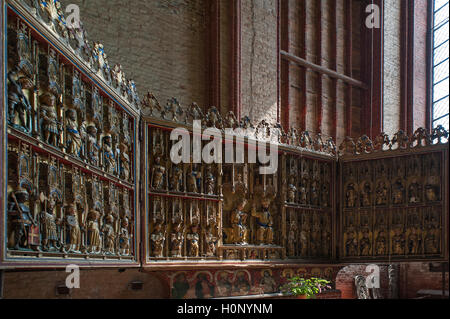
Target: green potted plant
[304, 288]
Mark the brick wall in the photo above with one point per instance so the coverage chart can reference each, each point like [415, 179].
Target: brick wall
[175, 64]
[160, 44]
[417, 276]
[94, 284]
[420, 66]
[259, 59]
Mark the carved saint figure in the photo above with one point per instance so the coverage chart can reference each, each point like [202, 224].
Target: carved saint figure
[158, 172]
[210, 181]
[365, 244]
[51, 128]
[48, 224]
[124, 238]
[20, 217]
[303, 195]
[292, 238]
[398, 192]
[158, 238]
[430, 193]
[238, 222]
[194, 179]
[19, 108]
[380, 244]
[366, 195]
[431, 240]
[93, 229]
[74, 230]
[292, 190]
[109, 235]
[264, 222]
[193, 240]
[211, 241]
[351, 196]
[398, 242]
[314, 193]
[176, 179]
[74, 135]
[93, 149]
[381, 193]
[108, 155]
[176, 240]
[413, 242]
[351, 245]
[414, 192]
[125, 162]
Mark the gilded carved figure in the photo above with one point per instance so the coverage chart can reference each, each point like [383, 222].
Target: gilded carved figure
[351, 195]
[51, 127]
[193, 240]
[19, 107]
[158, 237]
[75, 134]
[125, 162]
[158, 173]
[239, 223]
[177, 240]
[93, 148]
[124, 237]
[109, 235]
[381, 196]
[74, 230]
[176, 179]
[264, 222]
[210, 181]
[109, 155]
[380, 243]
[93, 230]
[20, 218]
[398, 241]
[49, 221]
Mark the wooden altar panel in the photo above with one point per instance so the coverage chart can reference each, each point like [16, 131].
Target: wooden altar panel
[394, 199]
[71, 155]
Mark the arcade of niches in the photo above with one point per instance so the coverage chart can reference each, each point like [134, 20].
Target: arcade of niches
[87, 179]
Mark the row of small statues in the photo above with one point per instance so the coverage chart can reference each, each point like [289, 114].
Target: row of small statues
[177, 232]
[414, 193]
[195, 183]
[67, 233]
[177, 238]
[413, 242]
[81, 141]
[306, 242]
[308, 193]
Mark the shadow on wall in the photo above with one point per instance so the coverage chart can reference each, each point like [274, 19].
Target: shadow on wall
[94, 284]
